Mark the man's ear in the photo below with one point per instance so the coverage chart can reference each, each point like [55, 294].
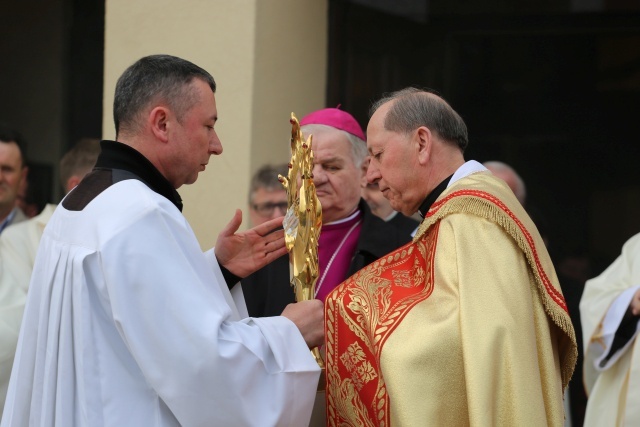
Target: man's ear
[158, 122]
[72, 182]
[424, 140]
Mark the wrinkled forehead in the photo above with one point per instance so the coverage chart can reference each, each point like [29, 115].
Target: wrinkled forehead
[377, 136]
[375, 128]
[323, 132]
[327, 139]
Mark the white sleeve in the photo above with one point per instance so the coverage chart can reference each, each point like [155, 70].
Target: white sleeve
[610, 325]
[236, 291]
[598, 297]
[178, 320]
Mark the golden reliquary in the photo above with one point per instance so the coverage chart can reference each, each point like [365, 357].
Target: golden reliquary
[303, 220]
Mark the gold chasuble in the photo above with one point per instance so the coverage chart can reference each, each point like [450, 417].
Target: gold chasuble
[466, 325]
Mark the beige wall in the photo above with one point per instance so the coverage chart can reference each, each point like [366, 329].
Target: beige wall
[268, 58]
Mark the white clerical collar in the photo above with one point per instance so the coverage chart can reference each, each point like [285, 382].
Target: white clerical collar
[465, 170]
[349, 218]
[391, 216]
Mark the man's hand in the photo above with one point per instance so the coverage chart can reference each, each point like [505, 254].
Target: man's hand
[308, 316]
[635, 304]
[248, 251]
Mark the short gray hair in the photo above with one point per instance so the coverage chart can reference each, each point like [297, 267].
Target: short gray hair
[520, 189]
[79, 160]
[358, 146]
[156, 78]
[267, 177]
[413, 107]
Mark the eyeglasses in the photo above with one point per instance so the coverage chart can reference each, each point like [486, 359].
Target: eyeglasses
[265, 209]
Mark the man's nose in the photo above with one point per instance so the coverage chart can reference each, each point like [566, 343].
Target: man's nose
[373, 173]
[215, 147]
[278, 211]
[319, 176]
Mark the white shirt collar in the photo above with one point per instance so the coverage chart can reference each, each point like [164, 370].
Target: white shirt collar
[465, 170]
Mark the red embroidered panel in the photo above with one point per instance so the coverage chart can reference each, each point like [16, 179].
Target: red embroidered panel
[361, 314]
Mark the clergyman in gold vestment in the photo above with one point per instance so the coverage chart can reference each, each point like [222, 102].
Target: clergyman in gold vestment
[465, 325]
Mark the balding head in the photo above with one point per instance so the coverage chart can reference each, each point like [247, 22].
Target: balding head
[510, 176]
[411, 108]
[415, 140]
[78, 162]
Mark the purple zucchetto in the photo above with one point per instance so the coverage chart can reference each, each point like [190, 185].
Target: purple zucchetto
[335, 118]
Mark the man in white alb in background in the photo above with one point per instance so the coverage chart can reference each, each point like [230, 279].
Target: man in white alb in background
[610, 312]
[18, 247]
[13, 174]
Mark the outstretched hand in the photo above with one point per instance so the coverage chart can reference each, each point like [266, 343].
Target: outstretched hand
[245, 252]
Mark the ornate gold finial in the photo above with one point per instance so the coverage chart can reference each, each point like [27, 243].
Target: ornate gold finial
[303, 220]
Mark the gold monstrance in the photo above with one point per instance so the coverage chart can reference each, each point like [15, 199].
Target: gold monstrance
[303, 220]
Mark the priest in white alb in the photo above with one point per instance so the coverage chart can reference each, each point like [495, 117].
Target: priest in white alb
[610, 316]
[127, 322]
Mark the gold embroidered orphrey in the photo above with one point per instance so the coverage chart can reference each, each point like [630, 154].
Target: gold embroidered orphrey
[364, 311]
[303, 220]
[392, 286]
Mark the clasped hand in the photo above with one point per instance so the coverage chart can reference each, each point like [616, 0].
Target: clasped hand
[248, 251]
